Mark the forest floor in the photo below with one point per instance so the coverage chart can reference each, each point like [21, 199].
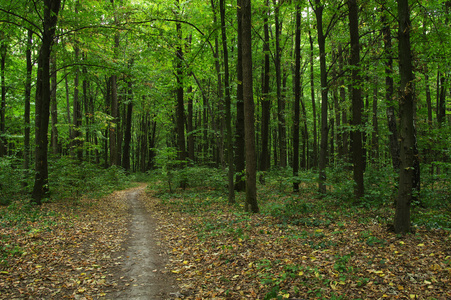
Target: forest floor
[134, 244]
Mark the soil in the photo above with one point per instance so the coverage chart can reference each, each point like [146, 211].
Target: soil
[142, 272]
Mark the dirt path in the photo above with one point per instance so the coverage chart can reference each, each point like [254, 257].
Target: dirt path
[143, 267]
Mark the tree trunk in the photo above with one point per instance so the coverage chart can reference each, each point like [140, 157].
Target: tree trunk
[42, 110]
[180, 110]
[357, 105]
[128, 130]
[26, 153]
[280, 99]
[297, 95]
[240, 161]
[3, 52]
[251, 165]
[228, 108]
[54, 107]
[324, 97]
[407, 127]
[189, 126]
[312, 95]
[266, 101]
[391, 118]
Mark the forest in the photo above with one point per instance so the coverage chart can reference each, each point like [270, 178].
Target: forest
[311, 113]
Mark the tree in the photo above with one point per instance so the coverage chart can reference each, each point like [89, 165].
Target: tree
[407, 125]
[248, 96]
[319, 8]
[228, 108]
[297, 96]
[240, 161]
[357, 105]
[50, 18]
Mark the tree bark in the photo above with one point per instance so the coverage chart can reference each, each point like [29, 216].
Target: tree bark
[297, 95]
[228, 106]
[251, 165]
[266, 101]
[26, 153]
[407, 127]
[312, 95]
[280, 99]
[391, 118]
[42, 110]
[324, 97]
[3, 53]
[357, 105]
[54, 107]
[240, 161]
[128, 129]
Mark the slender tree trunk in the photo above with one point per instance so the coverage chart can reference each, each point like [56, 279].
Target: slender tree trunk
[42, 110]
[128, 129]
[180, 110]
[391, 118]
[282, 134]
[76, 148]
[266, 101]
[344, 114]
[240, 161]
[312, 95]
[297, 95]
[251, 165]
[53, 107]
[3, 53]
[357, 105]
[407, 126]
[26, 153]
[190, 127]
[228, 108]
[324, 97]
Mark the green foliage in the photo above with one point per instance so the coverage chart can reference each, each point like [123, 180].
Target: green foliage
[70, 179]
[11, 179]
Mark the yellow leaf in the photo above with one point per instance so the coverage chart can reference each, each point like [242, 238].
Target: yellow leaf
[401, 242]
[400, 287]
[185, 262]
[427, 282]
[420, 245]
[300, 273]
[412, 296]
[286, 296]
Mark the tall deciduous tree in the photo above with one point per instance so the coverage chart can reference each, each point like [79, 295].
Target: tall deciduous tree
[407, 125]
[228, 106]
[50, 18]
[319, 8]
[248, 96]
[240, 183]
[297, 96]
[357, 104]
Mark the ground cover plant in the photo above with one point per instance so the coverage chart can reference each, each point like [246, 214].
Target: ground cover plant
[301, 246]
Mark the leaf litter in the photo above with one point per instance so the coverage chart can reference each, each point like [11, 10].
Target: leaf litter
[218, 252]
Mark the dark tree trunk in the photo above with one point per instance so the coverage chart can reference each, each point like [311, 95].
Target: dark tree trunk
[42, 110]
[240, 161]
[344, 115]
[282, 134]
[190, 127]
[297, 95]
[180, 110]
[54, 107]
[77, 116]
[251, 161]
[357, 105]
[3, 53]
[324, 97]
[128, 130]
[391, 118]
[228, 108]
[266, 102]
[312, 95]
[407, 126]
[26, 153]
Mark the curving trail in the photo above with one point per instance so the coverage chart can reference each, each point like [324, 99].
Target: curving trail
[143, 266]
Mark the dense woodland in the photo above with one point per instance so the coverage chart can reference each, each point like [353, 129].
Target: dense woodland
[355, 88]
